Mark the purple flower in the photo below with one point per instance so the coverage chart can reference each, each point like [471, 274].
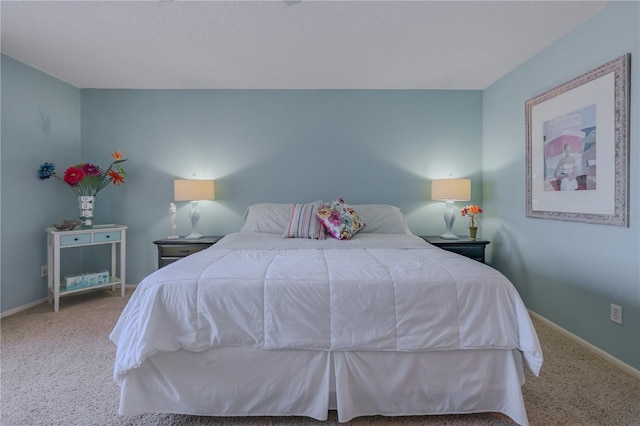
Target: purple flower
[90, 169]
[335, 219]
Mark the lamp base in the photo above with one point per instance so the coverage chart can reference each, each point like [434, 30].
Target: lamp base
[194, 236]
[449, 219]
[449, 236]
[195, 217]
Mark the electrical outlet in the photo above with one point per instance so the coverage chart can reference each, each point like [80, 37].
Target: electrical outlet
[616, 314]
[44, 270]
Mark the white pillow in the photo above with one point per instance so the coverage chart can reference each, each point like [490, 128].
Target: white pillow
[382, 219]
[271, 218]
[267, 217]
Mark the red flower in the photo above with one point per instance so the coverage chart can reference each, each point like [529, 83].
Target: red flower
[73, 175]
[116, 177]
[117, 155]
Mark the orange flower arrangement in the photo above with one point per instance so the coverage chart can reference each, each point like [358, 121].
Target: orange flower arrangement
[473, 212]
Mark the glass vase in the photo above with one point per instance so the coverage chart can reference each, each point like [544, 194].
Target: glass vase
[86, 204]
[474, 224]
[473, 232]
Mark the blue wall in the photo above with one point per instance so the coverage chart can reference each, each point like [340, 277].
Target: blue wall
[567, 272]
[277, 146]
[40, 122]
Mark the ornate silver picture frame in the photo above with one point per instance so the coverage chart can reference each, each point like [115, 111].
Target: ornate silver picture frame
[577, 148]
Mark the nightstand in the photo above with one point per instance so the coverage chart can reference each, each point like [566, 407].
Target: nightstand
[170, 250]
[465, 246]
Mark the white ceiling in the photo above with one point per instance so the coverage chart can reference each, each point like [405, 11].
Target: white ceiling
[284, 44]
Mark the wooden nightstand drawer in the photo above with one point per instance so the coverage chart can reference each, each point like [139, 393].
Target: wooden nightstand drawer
[180, 250]
[171, 250]
[474, 252]
[473, 249]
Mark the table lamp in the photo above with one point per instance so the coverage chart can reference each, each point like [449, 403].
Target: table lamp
[193, 190]
[450, 190]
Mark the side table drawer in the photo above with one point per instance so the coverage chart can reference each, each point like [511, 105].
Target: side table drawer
[69, 240]
[474, 252]
[173, 249]
[164, 261]
[180, 250]
[101, 237]
[473, 249]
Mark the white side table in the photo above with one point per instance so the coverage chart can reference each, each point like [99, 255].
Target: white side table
[98, 234]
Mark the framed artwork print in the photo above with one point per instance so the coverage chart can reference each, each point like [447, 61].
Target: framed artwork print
[577, 149]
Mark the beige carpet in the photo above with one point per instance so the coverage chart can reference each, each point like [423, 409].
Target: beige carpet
[56, 369]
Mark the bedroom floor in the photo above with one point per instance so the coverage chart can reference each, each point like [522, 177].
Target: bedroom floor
[57, 369]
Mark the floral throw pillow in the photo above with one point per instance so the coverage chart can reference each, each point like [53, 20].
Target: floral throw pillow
[340, 220]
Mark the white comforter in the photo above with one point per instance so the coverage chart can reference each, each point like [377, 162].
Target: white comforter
[374, 292]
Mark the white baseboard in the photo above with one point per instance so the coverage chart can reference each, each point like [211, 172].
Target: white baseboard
[596, 350]
[39, 301]
[22, 308]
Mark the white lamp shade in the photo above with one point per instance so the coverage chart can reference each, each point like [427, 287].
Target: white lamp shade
[451, 189]
[193, 190]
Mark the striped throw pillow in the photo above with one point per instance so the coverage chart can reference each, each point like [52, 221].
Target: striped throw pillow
[304, 222]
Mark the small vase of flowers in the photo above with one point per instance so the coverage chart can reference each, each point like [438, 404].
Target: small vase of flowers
[86, 180]
[473, 212]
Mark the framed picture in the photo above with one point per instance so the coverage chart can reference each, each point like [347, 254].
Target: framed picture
[578, 148]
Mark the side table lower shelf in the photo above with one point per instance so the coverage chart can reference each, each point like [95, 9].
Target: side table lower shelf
[113, 283]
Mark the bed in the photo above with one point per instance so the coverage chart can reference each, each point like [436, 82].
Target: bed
[381, 323]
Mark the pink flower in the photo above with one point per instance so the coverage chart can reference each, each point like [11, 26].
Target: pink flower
[335, 218]
[91, 169]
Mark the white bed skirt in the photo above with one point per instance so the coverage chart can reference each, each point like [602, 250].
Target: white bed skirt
[258, 382]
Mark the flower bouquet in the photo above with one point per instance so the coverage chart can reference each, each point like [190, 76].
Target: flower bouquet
[473, 212]
[86, 180]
